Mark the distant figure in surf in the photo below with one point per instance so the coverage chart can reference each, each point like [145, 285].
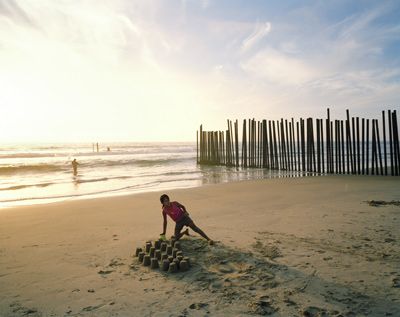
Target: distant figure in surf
[178, 213]
[75, 166]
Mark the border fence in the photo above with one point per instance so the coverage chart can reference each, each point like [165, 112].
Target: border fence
[352, 146]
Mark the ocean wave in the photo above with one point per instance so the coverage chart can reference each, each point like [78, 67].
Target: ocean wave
[139, 186]
[153, 185]
[33, 168]
[77, 181]
[102, 179]
[26, 155]
[16, 187]
[63, 166]
[181, 173]
[148, 162]
[82, 152]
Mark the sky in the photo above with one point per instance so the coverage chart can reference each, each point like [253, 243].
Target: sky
[127, 70]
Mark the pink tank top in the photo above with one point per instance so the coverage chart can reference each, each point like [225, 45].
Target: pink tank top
[174, 211]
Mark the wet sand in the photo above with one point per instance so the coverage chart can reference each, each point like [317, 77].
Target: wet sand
[285, 247]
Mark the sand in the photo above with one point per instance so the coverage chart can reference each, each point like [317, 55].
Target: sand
[285, 247]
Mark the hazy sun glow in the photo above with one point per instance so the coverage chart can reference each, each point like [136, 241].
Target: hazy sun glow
[154, 70]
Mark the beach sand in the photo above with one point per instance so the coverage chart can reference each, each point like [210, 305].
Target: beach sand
[285, 247]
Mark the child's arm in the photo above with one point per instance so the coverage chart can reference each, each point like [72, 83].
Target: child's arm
[164, 224]
[183, 208]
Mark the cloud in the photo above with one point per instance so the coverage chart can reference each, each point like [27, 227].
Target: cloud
[279, 68]
[11, 10]
[205, 4]
[260, 31]
[59, 33]
[210, 58]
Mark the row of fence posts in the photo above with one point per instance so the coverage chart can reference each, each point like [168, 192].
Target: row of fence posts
[351, 146]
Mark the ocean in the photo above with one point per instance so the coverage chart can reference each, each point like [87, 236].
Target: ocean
[42, 173]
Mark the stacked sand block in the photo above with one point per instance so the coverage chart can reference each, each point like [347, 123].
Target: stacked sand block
[165, 265]
[163, 254]
[146, 260]
[158, 255]
[164, 257]
[154, 263]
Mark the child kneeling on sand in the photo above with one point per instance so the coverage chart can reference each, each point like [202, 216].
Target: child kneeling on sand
[178, 213]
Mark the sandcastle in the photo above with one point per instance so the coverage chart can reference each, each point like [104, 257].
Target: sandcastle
[165, 255]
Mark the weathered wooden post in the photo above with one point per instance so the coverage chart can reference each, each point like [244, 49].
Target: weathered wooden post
[201, 143]
[275, 147]
[313, 145]
[244, 145]
[342, 141]
[373, 147]
[308, 145]
[338, 157]
[348, 144]
[237, 143]
[336, 146]
[358, 145]
[363, 145]
[331, 133]
[260, 143]
[287, 146]
[321, 123]
[396, 148]
[282, 143]
[303, 154]
[265, 144]
[294, 148]
[279, 145]
[379, 146]
[291, 145]
[298, 146]
[367, 151]
[271, 146]
[318, 147]
[384, 141]
[328, 142]
[353, 128]
[227, 142]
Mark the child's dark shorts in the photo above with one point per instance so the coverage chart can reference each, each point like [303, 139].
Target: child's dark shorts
[185, 221]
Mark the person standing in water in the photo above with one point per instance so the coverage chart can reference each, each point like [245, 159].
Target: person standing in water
[75, 166]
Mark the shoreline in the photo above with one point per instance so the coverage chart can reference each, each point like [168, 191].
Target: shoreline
[118, 192]
[287, 246]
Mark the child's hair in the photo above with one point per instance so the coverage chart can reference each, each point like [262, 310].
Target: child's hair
[163, 196]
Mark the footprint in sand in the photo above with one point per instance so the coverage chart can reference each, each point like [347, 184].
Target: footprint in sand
[198, 306]
[290, 302]
[225, 268]
[268, 250]
[263, 306]
[116, 262]
[396, 282]
[91, 308]
[105, 272]
[110, 268]
[312, 311]
[24, 311]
